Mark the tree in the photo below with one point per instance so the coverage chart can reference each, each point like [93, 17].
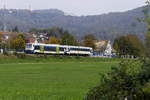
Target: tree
[1, 36]
[18, 42]
[51, 32]
[64, 36]
[129, 45]
[128, 81]
[15, 29]
[89, 41]
[1, 40]
[68, 39]
[53, 40]
[146, 19]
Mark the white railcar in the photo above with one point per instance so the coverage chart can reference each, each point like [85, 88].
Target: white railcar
[40, 48]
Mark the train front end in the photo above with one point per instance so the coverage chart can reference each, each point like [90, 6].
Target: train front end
[29, 49]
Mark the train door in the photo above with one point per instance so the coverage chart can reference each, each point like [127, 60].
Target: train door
[66, 50]
[41, 49]
[57, 50]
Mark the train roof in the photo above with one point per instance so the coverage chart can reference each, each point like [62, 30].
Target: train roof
[75, 46]
[60, 45]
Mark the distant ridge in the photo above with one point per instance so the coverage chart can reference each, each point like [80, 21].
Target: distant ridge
[105, 26]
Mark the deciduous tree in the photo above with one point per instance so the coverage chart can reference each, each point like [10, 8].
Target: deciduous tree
[146, 19]
[15, 29]
[1, 40]
[53, 40]
[129, 45]
[18, 42]
[89, 41]
[128, 81]
[68, 39]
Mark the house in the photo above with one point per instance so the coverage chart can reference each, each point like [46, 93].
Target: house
[5, 35]
[103, 48]
[30, 38]
[8, 35]
[41, 37]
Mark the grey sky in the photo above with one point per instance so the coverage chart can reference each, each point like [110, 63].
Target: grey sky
[78, 7]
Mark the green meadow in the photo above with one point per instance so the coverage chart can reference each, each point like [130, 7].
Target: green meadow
[50, 78]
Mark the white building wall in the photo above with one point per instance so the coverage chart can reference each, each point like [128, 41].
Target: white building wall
[108, 51]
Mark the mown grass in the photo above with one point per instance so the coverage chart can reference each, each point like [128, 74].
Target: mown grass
[50, 78]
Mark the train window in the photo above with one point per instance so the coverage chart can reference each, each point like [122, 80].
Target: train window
[85, 49]
[37, 47]
[61, 49]
[74, 49]
[79, 49]
[49, 48]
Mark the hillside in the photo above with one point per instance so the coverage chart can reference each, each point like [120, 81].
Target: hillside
[105, 26]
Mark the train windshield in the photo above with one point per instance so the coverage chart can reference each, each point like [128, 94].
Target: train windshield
[28, 45]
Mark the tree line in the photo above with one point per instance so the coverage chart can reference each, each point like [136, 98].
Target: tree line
[17, 40]
[64, 37]
[127, 45]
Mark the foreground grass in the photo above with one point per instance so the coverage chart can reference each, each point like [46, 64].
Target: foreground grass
[50, 78]
[47, 59]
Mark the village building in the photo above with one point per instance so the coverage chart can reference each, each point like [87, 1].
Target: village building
[103, 48]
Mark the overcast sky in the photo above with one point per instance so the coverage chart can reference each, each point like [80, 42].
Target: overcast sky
[77, 7]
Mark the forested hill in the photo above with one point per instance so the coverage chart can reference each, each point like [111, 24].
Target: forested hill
[105, 26]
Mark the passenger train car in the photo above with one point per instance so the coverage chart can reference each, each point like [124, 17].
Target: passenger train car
[40, 48]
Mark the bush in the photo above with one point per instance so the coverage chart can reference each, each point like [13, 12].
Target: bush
[128, 81]
[20, 55]
[6, 53]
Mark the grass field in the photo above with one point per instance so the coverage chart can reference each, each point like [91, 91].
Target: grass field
[57, 79]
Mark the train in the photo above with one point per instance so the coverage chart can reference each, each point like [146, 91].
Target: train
[56, 49]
